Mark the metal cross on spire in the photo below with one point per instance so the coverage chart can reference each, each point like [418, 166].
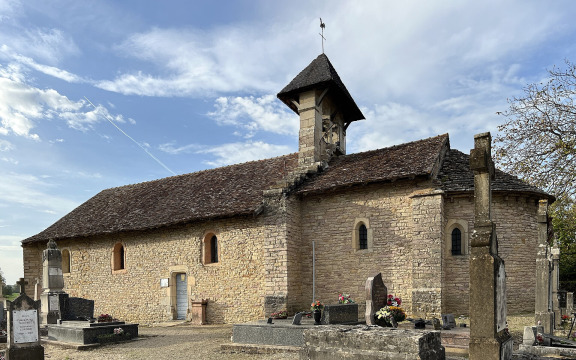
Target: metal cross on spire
[322, 26]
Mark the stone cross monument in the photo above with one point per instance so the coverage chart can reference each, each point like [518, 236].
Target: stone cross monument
[543, 304]
[52, 284]
[24, 328]
[555, 283]
[489, 337]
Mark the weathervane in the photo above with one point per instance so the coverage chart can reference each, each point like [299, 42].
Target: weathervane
[322, 26]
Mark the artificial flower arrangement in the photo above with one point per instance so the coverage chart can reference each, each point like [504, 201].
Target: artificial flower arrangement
[105, 318]
[345, 299]
[279, 315]
[564, 320]
[539, 339]
[316, 305]
[394, 300]
[392, 310]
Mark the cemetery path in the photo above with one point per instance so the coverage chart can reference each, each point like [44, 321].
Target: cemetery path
[168, 343]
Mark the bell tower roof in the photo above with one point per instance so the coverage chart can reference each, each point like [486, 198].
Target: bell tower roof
[321, 74]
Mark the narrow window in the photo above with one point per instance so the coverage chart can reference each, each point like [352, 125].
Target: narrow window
[456, 242]
[214, 249]
[119, 257]
[362, 237]
[65, 261]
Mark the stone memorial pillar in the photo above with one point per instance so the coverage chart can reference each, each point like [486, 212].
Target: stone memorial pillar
[1, 302]
[543, 305]
[569, 303]
[555, 284]
[52, 284]
[489, 337]
[24, 328]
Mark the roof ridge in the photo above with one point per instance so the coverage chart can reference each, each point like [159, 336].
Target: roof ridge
[397, 145]
[201, 171]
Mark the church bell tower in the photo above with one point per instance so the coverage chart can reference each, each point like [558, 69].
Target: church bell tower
[326, 109]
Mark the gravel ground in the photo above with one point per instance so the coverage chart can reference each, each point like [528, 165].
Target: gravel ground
[169, 343]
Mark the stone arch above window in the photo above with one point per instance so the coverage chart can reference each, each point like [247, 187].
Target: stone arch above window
[457, 237]
[119, 258]
[211, 248]
[362, 235]
[66, 261]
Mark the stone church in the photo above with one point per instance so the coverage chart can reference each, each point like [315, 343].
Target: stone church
[272, 234]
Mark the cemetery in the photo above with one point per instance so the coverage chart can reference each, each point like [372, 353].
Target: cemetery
[338, 330]
[419, 224]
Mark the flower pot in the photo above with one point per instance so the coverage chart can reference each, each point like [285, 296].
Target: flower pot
[317, 317]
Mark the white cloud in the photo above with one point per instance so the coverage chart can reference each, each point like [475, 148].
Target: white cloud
[171, 148]
[252, 114]
[21, 105]
[23, 190]
[46, 45]
[6, 145]
[236, 153]
[48, 70]
[190, 62]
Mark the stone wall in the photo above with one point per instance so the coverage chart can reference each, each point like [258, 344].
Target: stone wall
[330, 220]
[234, 287]
[517, 231]
[266, 261]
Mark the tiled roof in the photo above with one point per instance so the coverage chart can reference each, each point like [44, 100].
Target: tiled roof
[222, 192]
[320, 73]
[409, 160]
[455, 176]
[237, 190]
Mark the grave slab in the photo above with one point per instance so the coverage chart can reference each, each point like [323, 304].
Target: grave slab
[84, 333]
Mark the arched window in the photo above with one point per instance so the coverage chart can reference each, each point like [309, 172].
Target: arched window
[210, 248]
[456, 237]
[362, 237]
[456, 242]
[214, 249]
[119, 257]
[65, 261]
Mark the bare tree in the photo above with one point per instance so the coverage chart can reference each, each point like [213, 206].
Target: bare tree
[538, 141]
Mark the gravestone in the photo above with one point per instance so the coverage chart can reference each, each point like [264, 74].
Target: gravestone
[489, 337]
[340, 314]
[543, 304]
[448, 321]
[52, 283]
[569, 303]
[24, 327]
[376, 297]
[297, 319]
[75, 308]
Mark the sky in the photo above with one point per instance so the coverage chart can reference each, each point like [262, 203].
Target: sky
[99, 94]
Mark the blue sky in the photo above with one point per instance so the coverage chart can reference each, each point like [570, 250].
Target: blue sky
[181, 86]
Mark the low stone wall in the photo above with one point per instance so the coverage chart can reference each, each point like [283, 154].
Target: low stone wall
[370, 343]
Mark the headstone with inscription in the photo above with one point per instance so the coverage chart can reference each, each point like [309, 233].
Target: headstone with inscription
[24, 328]
[52, 283]
[376, 297]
